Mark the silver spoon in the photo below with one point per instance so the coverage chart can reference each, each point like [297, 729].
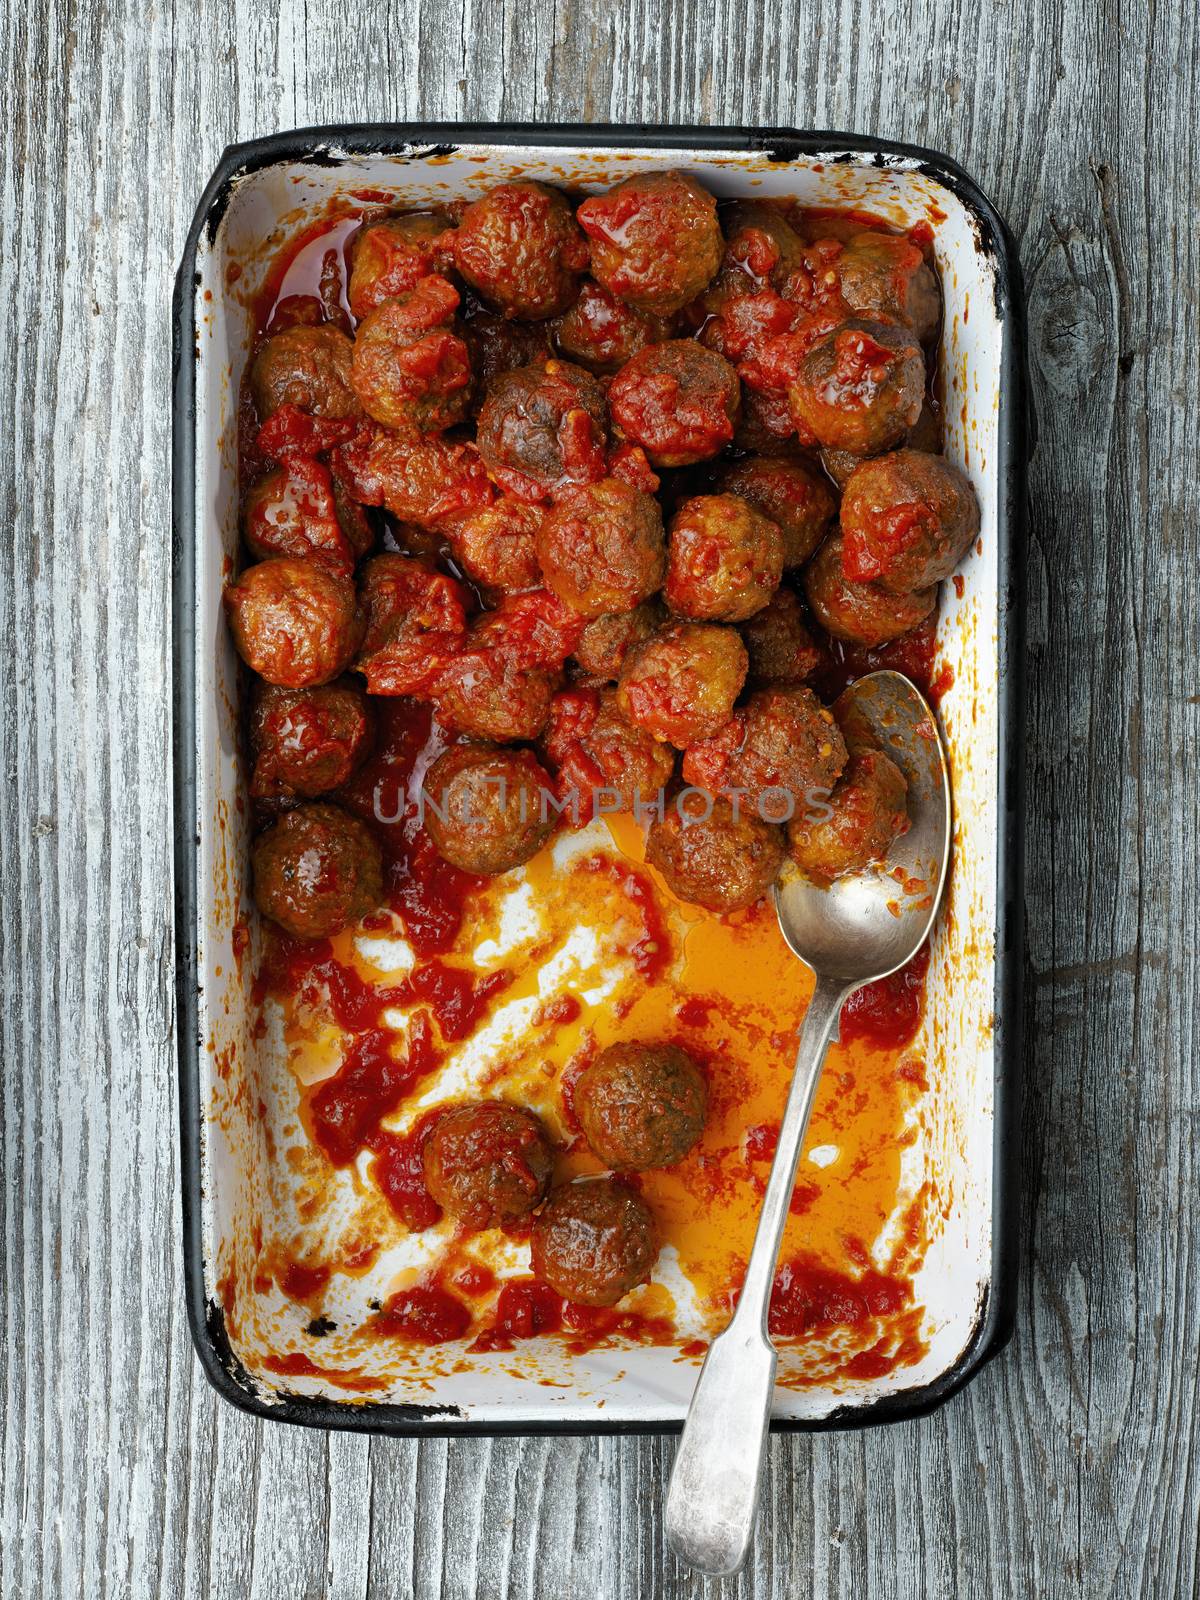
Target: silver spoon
[860, 928]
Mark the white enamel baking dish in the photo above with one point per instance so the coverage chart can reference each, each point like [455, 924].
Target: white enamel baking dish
[259, 194]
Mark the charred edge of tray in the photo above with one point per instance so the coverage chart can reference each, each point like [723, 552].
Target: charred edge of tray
[289, 1405]
[222, 1350]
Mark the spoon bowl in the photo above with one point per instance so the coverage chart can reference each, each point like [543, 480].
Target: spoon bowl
[868, 924]
[857, 929]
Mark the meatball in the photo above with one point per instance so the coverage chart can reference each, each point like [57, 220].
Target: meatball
[795, 497]
[885, 276]
[521, 248]
[307, 741]
[782, 651]
[596, 749]
[859, 388]
[411, 369]
[295, 511]
[711, 856]
[761, 249]
[601, 548]
[860, 613]
[606, 641]
[907, 520]
[544, 426]
[656, 242]
[487, 1163]
[593, 1241]
[431, 482]
[677, 400]
[865, 813]
[305, 367]
[492, 688]
[780, 747]
[498, 345]
[487, 810]
[391, 257]
[641, 1105]
[295, 623]
[416, 621]
[601, 332]
[497, 546]
[316, 871]
[682, 682]
[726, 559]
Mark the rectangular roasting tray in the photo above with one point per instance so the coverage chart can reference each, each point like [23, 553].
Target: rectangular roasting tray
[970, 1037]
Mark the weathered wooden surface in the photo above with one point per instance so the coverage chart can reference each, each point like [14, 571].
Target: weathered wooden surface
[1071, 1466]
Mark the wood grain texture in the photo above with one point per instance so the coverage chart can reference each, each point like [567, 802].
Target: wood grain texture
[1071, 1466]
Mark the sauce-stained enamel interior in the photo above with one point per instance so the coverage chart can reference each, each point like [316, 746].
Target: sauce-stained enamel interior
[309, 1260]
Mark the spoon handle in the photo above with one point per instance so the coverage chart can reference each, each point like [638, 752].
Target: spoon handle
[713, 1495]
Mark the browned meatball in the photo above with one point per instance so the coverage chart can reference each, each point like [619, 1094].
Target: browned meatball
[907, 520]
[780, 747]
[859, 388]
[593, 1241]
[726, 559]
[865, 813]
[305, 367]
[682, 682]
[542, 427]
[641, 1105]
[655, 239]
[487, 691]
[295, 623]
[521, 248]
[307, 741]
[486, 809]
[498, 545]
[316, 871]
[601, 548]
[795, 497]
[602, 757]
[860, 613]
[606, 641]
[601, 332]
[677, 400]
[487, 1163]
[391, 257]
[886, 276]
[711, 857]
[761, 249]
[411, 369]
[782, 650]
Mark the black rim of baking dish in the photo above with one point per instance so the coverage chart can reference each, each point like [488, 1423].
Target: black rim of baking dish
[418, 141]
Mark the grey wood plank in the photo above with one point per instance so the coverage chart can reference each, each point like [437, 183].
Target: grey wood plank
[1071, 1464]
